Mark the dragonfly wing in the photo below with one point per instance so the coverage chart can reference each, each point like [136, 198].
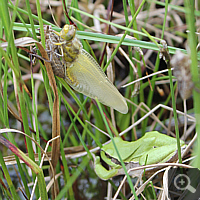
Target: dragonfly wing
[86, 76]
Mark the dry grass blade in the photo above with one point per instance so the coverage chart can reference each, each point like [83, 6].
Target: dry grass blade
[20, 42]
[56, 116]
[152, 111]
[70, 153]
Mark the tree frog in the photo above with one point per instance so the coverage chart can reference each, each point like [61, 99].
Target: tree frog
[152, 148]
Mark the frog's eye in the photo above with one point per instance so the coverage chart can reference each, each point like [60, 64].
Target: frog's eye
[68, 32]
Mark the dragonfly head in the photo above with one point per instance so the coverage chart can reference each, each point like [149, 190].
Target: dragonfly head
[68, 32]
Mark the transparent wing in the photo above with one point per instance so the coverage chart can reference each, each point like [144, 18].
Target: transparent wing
[86, 76]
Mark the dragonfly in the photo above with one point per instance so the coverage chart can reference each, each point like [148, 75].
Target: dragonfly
[80, 70]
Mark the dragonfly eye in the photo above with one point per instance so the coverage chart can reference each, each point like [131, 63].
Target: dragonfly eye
[68, 32]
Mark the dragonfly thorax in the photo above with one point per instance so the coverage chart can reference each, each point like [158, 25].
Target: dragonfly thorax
[71, 50]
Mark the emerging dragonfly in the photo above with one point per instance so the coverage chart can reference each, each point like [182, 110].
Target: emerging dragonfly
[80, 70]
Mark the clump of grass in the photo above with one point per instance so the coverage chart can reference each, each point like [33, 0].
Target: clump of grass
[43, 107]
